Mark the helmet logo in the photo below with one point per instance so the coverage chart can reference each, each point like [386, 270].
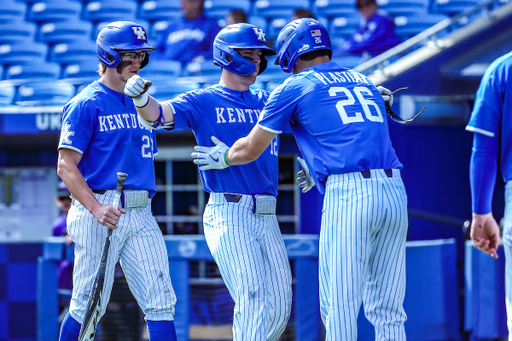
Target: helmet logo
[304, 48]
[259, 32]
[139, 31]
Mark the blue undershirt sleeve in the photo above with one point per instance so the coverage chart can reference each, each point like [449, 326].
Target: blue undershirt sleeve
[482, 172]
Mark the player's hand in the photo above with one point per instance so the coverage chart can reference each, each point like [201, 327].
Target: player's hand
[108, 215]
[304, 178]
[136, 87]
[211, 157]
[485, 233]
[387, 95]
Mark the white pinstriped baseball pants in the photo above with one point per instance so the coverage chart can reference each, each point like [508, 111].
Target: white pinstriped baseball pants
[507, 246]
[137, 243]
[252, 259]
[362, 255]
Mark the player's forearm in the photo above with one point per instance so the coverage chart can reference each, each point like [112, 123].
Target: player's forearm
[240, 153]
[151, 111]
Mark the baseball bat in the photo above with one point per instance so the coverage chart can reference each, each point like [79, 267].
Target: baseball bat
[92, 314]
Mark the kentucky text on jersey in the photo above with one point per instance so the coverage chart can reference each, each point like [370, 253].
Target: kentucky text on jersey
[340, 77]
[120, 121]
[236, 115]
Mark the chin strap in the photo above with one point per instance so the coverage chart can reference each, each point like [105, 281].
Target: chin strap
[397, 118]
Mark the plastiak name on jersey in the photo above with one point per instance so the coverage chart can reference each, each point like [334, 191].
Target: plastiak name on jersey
[120, 121]
[236, 115]
[341, 77]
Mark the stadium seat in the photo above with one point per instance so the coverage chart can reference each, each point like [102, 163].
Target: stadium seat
[334, 8]
[65, 31]
[44, 93]
[344, 26]
[205, 69]
[404, 7]
[258, 21]
[160, 10]
[67, 53]
[7, 93]
[54, 11]
[161, 69]
[12, 10]
[219, 9]
[452, 7]
[409, 26]
[282, 8]
[81, 72]
[16, 30]
[110, 11]
[21, 53]
[156, 30]
[163, 90]
[41, 70]
[275, 26]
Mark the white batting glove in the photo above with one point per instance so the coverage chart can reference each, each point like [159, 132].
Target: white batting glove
[387, 95]
[304, 178]
[211, 157]
[136, 87]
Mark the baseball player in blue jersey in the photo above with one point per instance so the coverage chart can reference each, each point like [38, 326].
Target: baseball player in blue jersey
[492, 124]
[339, 121]
[240, 224]
[101, 136]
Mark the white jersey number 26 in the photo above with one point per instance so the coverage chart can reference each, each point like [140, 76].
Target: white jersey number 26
[365, 103]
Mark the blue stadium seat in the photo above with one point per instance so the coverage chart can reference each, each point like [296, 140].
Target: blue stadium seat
[161, 69]
[275, 26]
[202, 69]
[44, 93]
[452, 7]
[41, 71]
[12, 10]
[67, 53]
[14, 31]
[334, 8]
[54, 11]
[21, 53]
[409, 26]
[156, 30]
[7, 93]
[110, 11]
[258, 21]
[1, 72]
[163, 90]
[160, 10]
[219, 9]
[277, 8]
[81, 72]
[344, 26]
[65, 31]
[404, 7]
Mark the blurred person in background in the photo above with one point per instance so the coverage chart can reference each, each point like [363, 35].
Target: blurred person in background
[190, 37]
[302, 13]
[376, 32]
[236, 16]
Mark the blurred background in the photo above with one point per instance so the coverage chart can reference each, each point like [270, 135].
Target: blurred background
[441, 50]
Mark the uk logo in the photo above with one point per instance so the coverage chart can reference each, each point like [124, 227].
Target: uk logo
[261, 35]
[139, 31]
[65, 134]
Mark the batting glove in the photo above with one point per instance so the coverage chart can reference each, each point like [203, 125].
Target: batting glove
[304, 178]
[211, 157]
[136, 88]
[387, 95]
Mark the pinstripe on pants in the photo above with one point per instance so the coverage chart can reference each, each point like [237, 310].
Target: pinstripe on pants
[137, 243]
[250, 253]
[362, 255]
[507, 246]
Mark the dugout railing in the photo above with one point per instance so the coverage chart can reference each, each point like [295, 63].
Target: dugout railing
[432, 300]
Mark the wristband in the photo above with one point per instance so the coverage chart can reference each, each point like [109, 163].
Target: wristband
[141, 101]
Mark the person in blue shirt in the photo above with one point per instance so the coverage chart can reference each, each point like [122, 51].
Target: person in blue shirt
[375, 34]
[491, 123]
[100, 137]
[189, 37]
[338, 118]
[240, 224]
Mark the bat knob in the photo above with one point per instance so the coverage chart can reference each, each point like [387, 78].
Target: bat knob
[466, 229]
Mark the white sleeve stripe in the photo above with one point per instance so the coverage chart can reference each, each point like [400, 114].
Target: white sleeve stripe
[480, 131]
[72, 148]
[270, 130]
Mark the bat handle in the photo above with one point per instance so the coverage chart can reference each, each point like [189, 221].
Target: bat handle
[121, 177]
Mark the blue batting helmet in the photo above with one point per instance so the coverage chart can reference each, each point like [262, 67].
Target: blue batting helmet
[240, 36]
[299, 37]
[118, 37]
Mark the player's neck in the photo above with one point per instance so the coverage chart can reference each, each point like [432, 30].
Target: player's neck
[231, 81]
[301, 65]
[112, 81]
